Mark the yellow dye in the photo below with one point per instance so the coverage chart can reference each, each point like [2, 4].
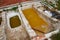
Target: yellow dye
[38, 33]
[15, 21]
[36, 22]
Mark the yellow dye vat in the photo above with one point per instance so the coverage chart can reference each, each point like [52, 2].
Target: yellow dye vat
[15, 21]
[36, 22]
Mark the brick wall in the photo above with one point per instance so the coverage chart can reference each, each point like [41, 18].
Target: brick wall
[8, 2]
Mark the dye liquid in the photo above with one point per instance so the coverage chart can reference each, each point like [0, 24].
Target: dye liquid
[36, 22]
[15, 21]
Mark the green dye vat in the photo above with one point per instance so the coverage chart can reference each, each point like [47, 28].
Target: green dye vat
[15, 21]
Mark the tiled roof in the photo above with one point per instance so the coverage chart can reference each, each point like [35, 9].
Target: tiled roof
[8, 2]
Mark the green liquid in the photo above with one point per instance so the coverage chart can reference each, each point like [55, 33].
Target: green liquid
[15, 21]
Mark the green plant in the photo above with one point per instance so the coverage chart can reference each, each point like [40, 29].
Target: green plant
[58, 4]
[14, 8]
[56, 36]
